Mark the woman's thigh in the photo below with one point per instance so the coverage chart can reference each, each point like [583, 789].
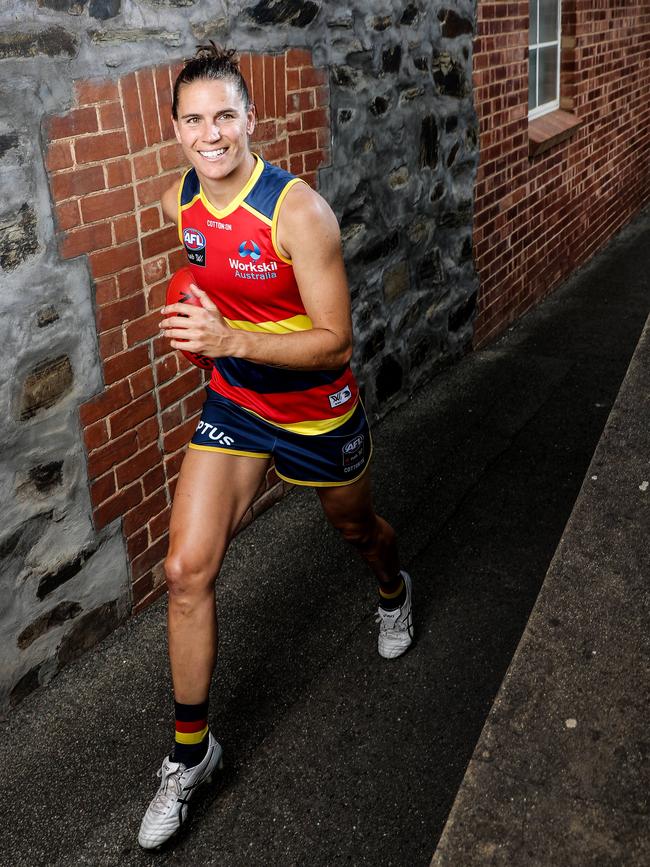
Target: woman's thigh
[213, 492]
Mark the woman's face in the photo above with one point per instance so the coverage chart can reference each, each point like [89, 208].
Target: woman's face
[213, 127]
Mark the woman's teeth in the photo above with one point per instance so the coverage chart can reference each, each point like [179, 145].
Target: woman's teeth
[212, 155]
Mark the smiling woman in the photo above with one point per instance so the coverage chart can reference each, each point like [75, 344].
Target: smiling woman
[274, 318]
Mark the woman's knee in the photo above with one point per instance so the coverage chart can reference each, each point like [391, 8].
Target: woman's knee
[186, 576]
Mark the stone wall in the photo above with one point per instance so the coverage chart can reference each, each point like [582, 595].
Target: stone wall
[95, 410]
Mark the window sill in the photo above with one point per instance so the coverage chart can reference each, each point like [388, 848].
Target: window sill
[550, 129]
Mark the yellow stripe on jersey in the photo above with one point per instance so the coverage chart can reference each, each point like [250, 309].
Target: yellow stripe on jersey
[262, 217]
[283, 326]
[239, 198]
[276, 214]
[311, 427]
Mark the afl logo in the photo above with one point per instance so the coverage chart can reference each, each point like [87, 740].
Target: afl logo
[353, 445]
[249, 248]
[193, 239]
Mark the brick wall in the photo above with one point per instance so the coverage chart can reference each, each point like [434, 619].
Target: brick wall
[108, 162]
[537, 219]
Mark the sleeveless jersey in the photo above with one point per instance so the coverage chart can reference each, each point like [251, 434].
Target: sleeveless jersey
[234, 257]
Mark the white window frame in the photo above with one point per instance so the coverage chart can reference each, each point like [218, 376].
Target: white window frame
[554, 104]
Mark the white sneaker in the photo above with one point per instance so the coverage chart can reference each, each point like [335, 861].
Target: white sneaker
[396, 627]
[168, 810]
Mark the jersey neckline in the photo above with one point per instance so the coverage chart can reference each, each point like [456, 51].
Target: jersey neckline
[239, 198]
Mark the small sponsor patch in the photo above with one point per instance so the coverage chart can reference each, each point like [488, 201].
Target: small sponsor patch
[194, 242]
[340, 397]
[353, 453]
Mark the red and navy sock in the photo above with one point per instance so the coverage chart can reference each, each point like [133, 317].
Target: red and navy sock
[191, 743]
[392, 593]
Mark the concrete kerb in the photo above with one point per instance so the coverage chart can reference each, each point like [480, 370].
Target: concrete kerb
[560, 774]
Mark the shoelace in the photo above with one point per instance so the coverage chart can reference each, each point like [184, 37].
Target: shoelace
[170, 788]
[387, 619]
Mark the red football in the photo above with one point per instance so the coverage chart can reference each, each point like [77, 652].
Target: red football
[178, 291]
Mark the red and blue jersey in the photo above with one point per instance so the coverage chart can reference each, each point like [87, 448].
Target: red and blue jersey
[234, 257]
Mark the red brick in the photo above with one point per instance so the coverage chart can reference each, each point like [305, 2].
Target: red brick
[126, 363]
[293, 79]
[152, 556]
[319, 117]
[149, 192]
[173, 466]
[84, 240]
[110, 116]
[95, 435]
[114, 452]
[179, 387]
[80, 182]
[100, 147]
[119, 312]
[111, 342]
[322, 96]
[67, 214]
[145, 510]
[148, 432]
[155, 270]
[147, 90]
[143, 328]
[314, 161]
[171, 418]
[102, 489]
[149, 219]
[310, 77]
[142, 381]
[298, 57]
[117, 505]
[193, 404]
[92, 91]
[164, 101]
[300, 100]
[276, 150]
[136, 466]
[77, 122]
[179, 438]
[132, 112]
[137, 543]
[125, 229]
[156, 296]
[159, 525]
[171, 157]
[246, 69]
[128, 417]
[116, 259]
[58, 156]
[145, 165]
[142, 599]
[258, 84]
[280, 86]
[130, 281]
[177, 259]
[311, 179]
[269, 86]
[294, 123]
[266, 130]
[153, 480]
[302, 141]
[118, 173]
[159, 242]
[166, 368]
[108, 204]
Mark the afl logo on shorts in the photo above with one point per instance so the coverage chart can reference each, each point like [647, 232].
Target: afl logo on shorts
[194, 242]
[353, 454]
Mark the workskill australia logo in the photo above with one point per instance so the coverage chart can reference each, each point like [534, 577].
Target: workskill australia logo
[248, 266]
[249, 248]
[194, 242]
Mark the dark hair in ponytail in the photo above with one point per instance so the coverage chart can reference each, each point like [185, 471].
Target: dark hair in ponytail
[211, 63]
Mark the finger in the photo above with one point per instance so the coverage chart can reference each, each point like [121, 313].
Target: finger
[179, 307]
[205, 300]
[181, 321]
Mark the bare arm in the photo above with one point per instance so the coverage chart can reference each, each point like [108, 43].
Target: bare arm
[169, 202]
[309, 233]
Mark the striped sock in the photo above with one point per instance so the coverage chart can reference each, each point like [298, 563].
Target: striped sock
[191, 743]
[392, 594]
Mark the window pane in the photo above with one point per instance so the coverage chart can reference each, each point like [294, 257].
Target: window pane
[548, 29]
[532, 23]
[547, 74]
[532, 79]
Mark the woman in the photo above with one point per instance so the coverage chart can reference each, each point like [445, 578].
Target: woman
[275, 318]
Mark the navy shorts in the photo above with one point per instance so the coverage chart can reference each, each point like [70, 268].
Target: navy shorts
[339, 457]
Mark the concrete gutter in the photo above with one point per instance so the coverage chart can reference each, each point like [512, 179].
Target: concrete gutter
[560, 773]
